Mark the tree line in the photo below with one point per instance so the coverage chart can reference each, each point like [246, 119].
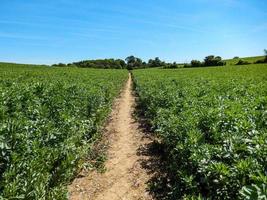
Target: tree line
[208, 61]
[133, 62]
[129, 63]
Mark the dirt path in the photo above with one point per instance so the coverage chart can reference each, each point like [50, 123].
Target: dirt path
[125, 178]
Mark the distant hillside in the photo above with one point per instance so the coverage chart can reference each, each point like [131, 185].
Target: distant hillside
[248, 59]
[6, 64]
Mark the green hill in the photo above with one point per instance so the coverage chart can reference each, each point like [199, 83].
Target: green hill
[248, 59]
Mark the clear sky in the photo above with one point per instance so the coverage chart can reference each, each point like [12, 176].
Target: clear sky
[51, 31]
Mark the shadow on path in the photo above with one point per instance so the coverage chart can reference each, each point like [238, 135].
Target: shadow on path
[152, 160]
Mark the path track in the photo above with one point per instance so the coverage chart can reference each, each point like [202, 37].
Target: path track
[125, 178]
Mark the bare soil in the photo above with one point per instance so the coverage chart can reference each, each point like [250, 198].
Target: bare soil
[125, 176]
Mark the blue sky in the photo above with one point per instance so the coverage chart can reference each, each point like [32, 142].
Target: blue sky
[51, 31]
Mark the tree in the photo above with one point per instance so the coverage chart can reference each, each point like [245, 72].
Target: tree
[196, 63]
[173, 65]
[122, 63]
[265, 52]
[59, 65]
[156, 62]
[130, 62]
[138, 63]
[242, 62]
[133, 62]
[102, 64]
[213, 61]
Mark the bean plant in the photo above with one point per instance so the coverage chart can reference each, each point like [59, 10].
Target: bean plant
[49, 121]
[212, 124]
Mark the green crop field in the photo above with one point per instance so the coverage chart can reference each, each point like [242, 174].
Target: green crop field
[49, 120]
[133, 100]
[212, 124]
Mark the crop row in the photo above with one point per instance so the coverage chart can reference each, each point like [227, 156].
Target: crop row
[212, 124]
[49, 119]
